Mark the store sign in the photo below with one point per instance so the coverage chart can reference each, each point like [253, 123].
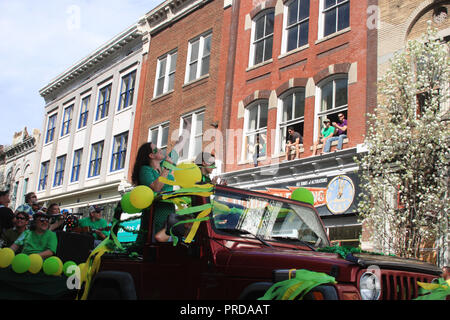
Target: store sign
[332, 195]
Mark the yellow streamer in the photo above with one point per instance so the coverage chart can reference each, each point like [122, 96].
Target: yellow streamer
[196, 224]
[290, 291]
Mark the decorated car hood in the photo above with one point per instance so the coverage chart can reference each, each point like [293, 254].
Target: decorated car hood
[396, 263]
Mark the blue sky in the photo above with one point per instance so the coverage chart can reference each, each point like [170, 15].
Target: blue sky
[41, 39]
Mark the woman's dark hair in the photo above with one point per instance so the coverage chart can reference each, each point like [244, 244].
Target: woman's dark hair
[141, 160]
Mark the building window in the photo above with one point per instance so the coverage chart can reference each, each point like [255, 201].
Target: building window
[291, 113]
[335, 16]
[165, 73]
[262, 37]
[255, 128]
[159, 136]
[51, 128]
[84, 111]
[333, 93]
[195, 137]
[43, 175]
[67, 120]
[119, 151]
[199, 52]
[25, 189]
[59, 171]
[127, 90]
[296, 24]
[76, 165]
[103, 102]
[96, 159]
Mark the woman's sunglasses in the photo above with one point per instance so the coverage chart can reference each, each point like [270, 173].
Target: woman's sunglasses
[21, 218]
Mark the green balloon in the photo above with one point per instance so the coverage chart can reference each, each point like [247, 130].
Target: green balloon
[303, 195]
[126, 205]
[51, 266]
[66, 265]
[21, 263]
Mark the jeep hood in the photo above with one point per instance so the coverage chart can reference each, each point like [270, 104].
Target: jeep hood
[396, 263]
[279, 258]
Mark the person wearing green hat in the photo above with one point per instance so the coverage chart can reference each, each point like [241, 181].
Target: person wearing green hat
[38, 239]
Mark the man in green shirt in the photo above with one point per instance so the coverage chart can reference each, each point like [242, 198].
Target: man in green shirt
[95, 222]
[39, 239]
[327, 132]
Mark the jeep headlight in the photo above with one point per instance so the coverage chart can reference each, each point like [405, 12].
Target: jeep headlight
[369, 286]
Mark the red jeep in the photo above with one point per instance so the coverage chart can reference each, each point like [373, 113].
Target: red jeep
[251, 241]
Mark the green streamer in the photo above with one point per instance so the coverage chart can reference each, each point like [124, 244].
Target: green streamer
[297, 287]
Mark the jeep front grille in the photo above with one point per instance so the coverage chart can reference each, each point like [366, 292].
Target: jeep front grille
[401, 285]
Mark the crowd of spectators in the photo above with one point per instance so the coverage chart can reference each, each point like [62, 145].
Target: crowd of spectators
[32, 227]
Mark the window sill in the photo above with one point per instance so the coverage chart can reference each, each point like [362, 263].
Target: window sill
[299, 49]
[124, 109]
[162, 95]
[334, 143]
[333, 35]
[256, 66]
[100, 120]
[195, 81]
[81, 129]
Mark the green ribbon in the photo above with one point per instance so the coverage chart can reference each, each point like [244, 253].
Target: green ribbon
[343, 251]
[297, 287]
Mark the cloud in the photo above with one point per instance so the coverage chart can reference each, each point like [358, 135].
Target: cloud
[42, 39]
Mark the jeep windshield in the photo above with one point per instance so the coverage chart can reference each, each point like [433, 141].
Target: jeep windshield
[267, 219]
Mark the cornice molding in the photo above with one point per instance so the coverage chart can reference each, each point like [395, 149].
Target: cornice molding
[92, 60]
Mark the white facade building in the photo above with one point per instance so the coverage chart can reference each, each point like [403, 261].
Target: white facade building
[19, 169]
[89, 113]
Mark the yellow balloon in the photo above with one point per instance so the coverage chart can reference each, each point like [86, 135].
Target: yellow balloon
[188, 175]
[141, 197]
[36, 263]
[6, 257]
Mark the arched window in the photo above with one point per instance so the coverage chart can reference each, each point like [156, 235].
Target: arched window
[290, 113]
[262, 37]
[296, 24]
[255, 130]
[331, 99]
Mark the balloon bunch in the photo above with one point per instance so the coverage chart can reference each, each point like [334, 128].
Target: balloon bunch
[33, 263]
[137, 199]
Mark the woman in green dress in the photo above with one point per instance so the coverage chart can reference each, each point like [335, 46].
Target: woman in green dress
[148, 167]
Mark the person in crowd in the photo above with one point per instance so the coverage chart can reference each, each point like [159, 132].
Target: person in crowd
[326, 133]
[31, 202]
[38, 239]
[96, 224]
[206, 162]
[56, 218]
[6, 214]
[20, 225]
[340, 134]
[294, 140]
[148, 167]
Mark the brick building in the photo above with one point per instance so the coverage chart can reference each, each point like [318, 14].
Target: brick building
[296, 63]
[180, 71]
